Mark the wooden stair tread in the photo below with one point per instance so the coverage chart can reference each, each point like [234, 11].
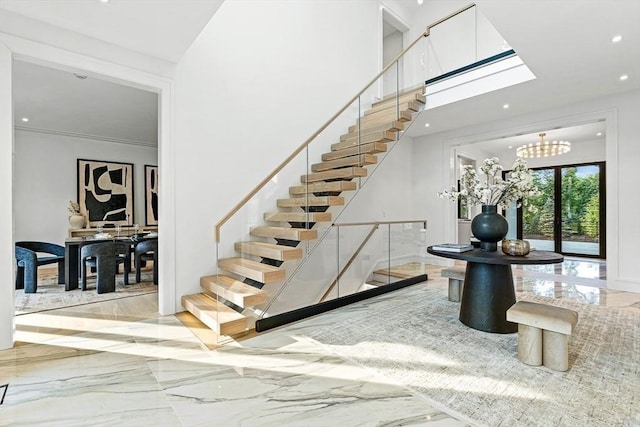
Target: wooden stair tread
[269, 250]
[361, 160]
[297, 216]
[415, 96]
[288, 233]
[391, 106]
[403, 92]
[217, 316]
[323, 187]
[374, 130]
[235, 291]
[393, 125]
[370, 148]
[311, 201]
[254, 270]
[354, 142]
[363, 138]
[344, 173]
[385, 116]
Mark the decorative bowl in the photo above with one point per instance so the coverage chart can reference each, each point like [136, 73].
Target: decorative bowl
[515, 247]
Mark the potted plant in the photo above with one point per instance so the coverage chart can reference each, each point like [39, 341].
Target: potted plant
[76, 219]
[489, 189]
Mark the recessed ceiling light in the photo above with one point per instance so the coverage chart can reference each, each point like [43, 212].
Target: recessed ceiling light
[599, 134]
[104, 1]
[510, 147]
[505, 106]
[426, 125]
[420, 1]
[624, 77]
[25, 119]
[616, 38]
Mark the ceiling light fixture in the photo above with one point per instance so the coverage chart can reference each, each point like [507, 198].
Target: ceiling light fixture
[616, 39]
[624, 77]
[505, 106]
[427, 125]
[543, 148]
[599, 134]
[104, 1]
[420, 2]
[25, 119]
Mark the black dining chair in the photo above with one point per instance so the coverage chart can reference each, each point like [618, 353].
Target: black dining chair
[147, 250]
[105, 257]
[28, 262]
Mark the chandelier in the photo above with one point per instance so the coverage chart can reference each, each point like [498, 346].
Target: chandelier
[543, 148]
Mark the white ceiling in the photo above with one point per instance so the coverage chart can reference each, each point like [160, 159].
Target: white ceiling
[566, 43]
[57, 101]
[160, 28]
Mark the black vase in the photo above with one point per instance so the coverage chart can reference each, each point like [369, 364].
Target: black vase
[489, 227]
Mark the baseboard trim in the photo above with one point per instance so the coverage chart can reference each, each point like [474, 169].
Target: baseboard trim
[302, 313]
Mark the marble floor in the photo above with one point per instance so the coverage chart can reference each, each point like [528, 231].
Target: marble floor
[120, 363]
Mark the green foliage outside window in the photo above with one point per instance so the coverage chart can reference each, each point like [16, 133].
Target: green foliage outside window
[580, 206]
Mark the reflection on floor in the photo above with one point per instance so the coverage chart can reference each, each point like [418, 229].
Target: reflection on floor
[120, 363]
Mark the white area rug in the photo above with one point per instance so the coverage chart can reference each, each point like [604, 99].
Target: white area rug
[418, 342]
[51, 295]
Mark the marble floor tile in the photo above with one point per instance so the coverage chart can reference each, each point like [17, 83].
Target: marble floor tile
[121, 363]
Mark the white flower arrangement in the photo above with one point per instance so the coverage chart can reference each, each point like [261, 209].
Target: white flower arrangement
[492, 189]
[74, 208]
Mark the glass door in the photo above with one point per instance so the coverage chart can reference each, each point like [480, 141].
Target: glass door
[581, 218]
[568, 216]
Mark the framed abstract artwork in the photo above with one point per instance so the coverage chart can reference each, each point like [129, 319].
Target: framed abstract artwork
[105, 192]
[151, 194]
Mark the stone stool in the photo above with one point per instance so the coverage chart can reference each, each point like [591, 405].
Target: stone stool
[543, 333]
[456, 282]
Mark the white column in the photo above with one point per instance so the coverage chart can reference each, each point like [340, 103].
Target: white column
[7, 257]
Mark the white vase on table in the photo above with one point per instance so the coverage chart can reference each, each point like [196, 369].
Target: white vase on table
[76, 221]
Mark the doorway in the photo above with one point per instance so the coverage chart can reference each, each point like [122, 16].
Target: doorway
[63, 118]
[14, 49]
[569, 214]
[393, 31]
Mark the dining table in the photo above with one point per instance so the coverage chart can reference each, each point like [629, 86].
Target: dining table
[73, 246]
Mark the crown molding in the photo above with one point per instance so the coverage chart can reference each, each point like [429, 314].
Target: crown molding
[88, 136]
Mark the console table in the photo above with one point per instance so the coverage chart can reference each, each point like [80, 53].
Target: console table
[488, 286]
[125, 230]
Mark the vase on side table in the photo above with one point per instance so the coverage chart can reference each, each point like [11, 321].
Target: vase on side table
[76, 221]
[489, 227]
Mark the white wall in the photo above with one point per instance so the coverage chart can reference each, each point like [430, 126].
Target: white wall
[258, 81]
[45, 180]
[621, 112]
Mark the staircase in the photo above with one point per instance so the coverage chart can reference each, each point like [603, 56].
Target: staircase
[229, 302]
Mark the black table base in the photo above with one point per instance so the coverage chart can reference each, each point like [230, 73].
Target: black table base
[487, 295]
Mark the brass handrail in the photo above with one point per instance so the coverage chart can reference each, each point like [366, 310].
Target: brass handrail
[286, 161]
[375, 225]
